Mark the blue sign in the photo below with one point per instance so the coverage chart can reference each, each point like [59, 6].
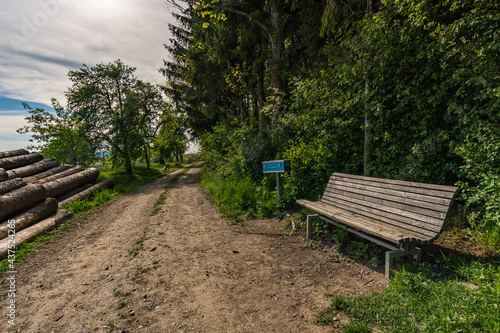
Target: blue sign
[278, 166]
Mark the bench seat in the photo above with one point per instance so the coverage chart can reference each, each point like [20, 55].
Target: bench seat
[398, 212]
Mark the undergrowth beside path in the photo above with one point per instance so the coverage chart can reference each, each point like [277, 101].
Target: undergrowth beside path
[463, 297]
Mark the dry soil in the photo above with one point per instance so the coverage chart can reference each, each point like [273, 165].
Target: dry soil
[185, 269]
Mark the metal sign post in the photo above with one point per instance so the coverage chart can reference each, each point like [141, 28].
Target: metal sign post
[277, 167]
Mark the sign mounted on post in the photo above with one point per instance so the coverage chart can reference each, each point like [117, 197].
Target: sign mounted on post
[277, 167]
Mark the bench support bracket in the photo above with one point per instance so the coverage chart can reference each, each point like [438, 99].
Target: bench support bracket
[407, 249]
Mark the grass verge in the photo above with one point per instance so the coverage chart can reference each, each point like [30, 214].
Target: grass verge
[462, 297]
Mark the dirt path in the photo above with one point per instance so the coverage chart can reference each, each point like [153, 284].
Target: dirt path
[182, 270]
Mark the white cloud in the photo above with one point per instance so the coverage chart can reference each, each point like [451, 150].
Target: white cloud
[41, 40]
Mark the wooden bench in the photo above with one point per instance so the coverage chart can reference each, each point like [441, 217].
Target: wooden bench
[395, 214]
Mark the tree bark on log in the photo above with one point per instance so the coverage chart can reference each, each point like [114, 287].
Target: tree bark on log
[8, 163]
[22, 198]
[3, 175]
[32, 232]
[68, 172]
[32, 169]
[59, 186]
[12, 153]
[106, 183]
[30, 217]
[11, 185]
[50, 172]
[75, 191]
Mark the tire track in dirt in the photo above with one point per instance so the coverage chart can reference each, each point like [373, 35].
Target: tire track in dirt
[182, 270]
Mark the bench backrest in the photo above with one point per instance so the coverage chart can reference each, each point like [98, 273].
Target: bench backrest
[417, 207]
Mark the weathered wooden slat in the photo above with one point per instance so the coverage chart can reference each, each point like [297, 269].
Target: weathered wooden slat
[393, 210]
[359, 222]
[381, 207]
[443, 188]
[439, 204]
[386, 205]
[363, 221]
[409, 189]
[388, 218]
[8, 163]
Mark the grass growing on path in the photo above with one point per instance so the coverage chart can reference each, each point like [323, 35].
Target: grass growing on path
[161, 199]
[463, 297]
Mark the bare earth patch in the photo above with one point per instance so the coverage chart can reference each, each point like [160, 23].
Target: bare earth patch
[185, 269]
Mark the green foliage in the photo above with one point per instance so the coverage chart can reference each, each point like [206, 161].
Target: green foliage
[60, 135]
[418, 300]
[234, 196]
[118, 110]
[426, 75]
[171, 138]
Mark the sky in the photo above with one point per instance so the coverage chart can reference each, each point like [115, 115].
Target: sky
[41, 40]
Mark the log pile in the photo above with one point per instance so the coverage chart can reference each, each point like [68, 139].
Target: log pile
[33, 188]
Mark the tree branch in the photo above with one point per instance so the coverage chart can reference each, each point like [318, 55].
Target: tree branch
[241, 13]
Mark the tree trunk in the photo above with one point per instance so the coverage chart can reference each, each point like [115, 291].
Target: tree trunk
[8, 163]
[50, 172]
[22, 198]
[368, 132]
[11, 185]
[32, 232]
[59, 186]
[3, 175]
[128, 162]
[68, 172]
[11, 153]
[31, 216]
[32, 169]
[370, 9]
[106, 183]
[146, 155]
[261, 98]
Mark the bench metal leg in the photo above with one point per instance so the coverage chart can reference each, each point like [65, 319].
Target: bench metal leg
[309, 225]
[411, 250]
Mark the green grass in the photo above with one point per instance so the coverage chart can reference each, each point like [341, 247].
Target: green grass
[420, 299]
[163, 195]
[234, 196]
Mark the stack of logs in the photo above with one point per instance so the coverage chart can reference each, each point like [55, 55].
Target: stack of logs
[33, 188]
